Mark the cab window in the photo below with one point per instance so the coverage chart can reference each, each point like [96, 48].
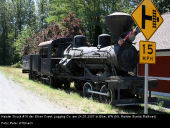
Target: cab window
[44, 52]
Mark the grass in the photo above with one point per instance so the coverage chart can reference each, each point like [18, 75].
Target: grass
[162, 97]
[71, 99]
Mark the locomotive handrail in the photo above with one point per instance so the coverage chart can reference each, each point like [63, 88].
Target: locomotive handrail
[158, 78]
[56, 58]
[92, 57]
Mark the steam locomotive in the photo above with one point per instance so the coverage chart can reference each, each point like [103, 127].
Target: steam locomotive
[107, 72]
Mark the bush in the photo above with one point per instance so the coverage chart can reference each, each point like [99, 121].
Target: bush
[17, 65]
[69, 28]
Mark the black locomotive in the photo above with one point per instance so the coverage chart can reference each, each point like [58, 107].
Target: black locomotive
[107, 72]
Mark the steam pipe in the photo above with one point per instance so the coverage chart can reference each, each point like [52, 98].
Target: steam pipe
[130, 36]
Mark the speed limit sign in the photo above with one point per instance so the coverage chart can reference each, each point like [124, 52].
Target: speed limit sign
[147, 52]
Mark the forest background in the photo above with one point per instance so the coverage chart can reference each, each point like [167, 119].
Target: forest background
[26, 23]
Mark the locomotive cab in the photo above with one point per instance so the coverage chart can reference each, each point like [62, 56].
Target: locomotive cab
[50, 54]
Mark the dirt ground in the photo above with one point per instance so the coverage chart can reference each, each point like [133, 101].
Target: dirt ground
[15, 99]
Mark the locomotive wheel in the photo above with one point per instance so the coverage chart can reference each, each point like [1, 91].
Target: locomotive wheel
[51, 81]
[107, 99]
[30, 76]
[42, 80]
[58, 84]
[78, 85]
[34, 77]
[87, 86]
[66, 85]
[55, 83]
[112, 95]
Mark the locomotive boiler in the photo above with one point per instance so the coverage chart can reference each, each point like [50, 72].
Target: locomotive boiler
[120, 60]
[107, 71]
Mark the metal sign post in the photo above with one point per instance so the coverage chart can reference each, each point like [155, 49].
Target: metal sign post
[146, 90]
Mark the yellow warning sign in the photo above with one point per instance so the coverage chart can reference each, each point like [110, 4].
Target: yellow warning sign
[147, 52]
[147, 17]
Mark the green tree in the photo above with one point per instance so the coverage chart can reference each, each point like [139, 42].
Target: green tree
[43, 12]
[31, 16]
[4, 51]
[91, 12]
[15, 15]
[163, 5]
[20, 42]
[23, 14]
[58, 10]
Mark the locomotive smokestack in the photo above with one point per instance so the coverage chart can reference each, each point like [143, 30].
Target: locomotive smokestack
[119, 23]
